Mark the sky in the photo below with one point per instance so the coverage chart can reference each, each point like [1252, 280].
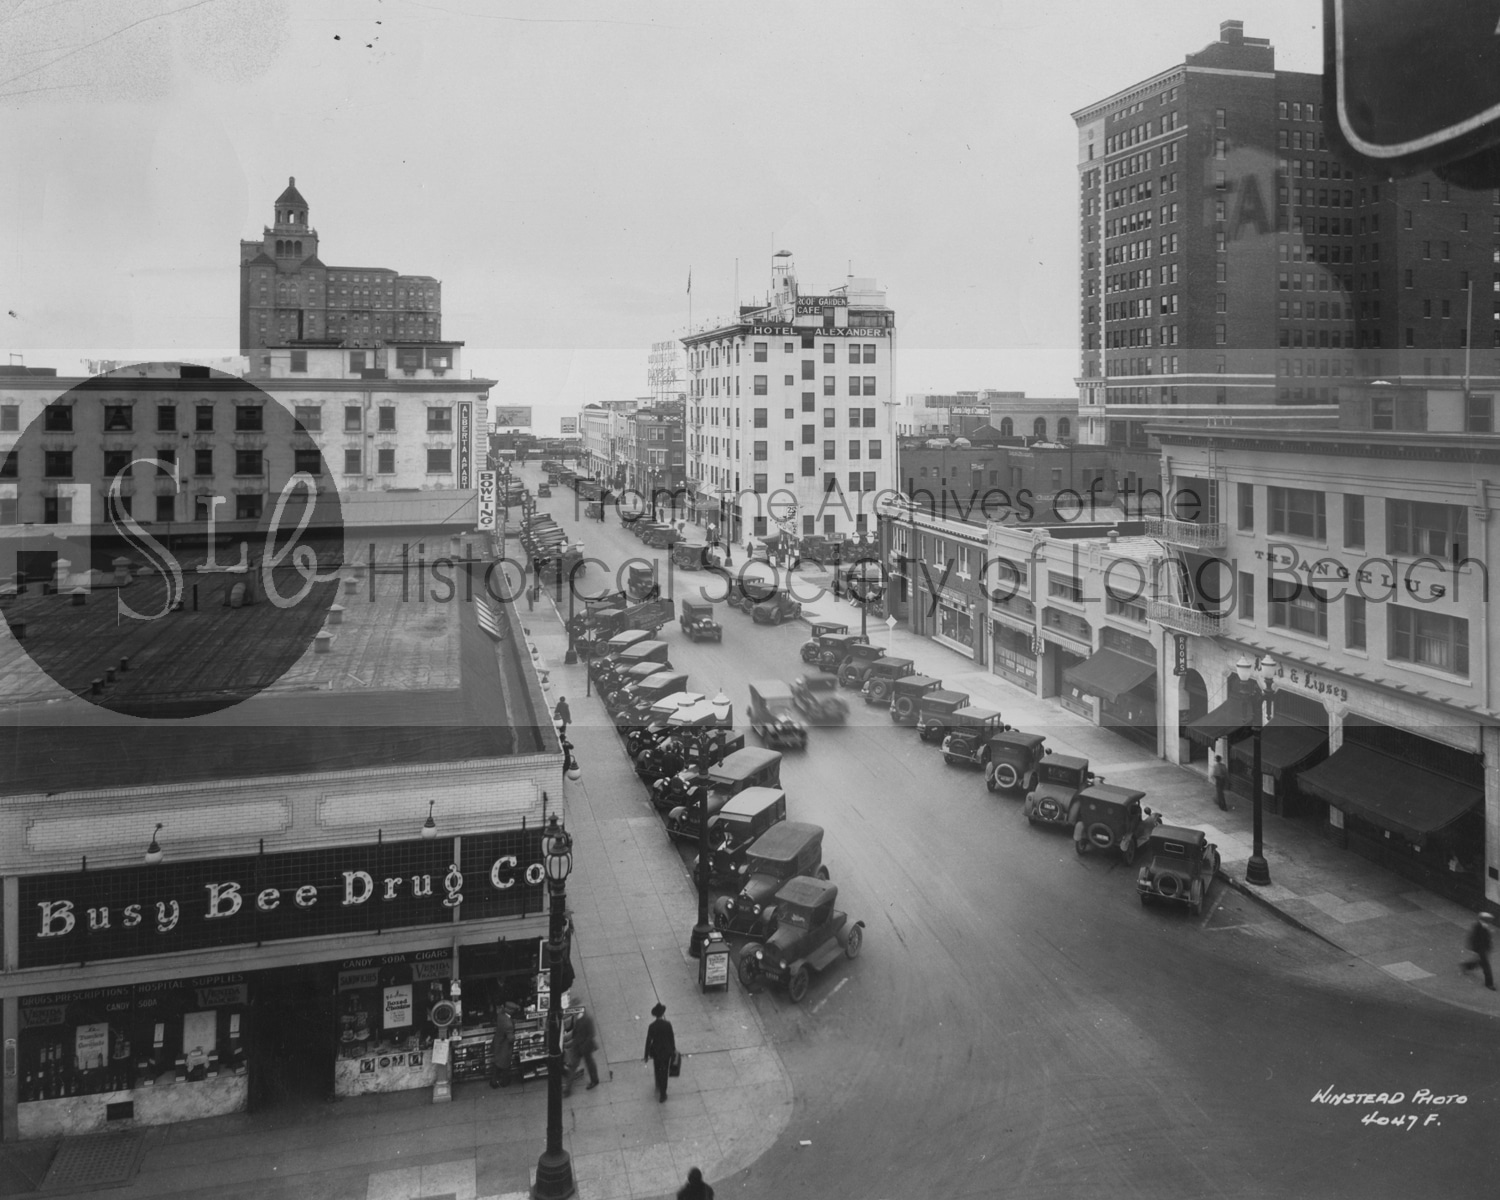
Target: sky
[562, 167]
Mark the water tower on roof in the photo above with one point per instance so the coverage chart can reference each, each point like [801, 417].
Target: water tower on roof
[783, 278]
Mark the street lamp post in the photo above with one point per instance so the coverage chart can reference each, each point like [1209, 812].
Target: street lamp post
[702, 928]
[1256, 693]
[554, 1170]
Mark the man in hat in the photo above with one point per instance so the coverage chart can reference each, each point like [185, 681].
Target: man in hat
[502, 1045]
[1219, 773]
[1479, 942]
[661, 1046]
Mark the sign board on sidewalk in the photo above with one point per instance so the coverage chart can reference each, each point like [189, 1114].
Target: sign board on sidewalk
[486, 500]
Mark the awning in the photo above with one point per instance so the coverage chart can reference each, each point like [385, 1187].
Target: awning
[1225, 721]
[1109, 675]
[1285, 745]
[1389, 792]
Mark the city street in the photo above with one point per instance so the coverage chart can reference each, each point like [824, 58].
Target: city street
[1018, 1024]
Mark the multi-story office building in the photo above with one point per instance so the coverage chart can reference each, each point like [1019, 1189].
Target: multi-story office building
[656, 466]
[603, 429]
[790, 410]
[287, 294]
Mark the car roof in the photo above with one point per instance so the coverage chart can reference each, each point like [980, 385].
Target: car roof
[663, 678]
[786, 840]
[806, 892]
[742, 762]
[1015, 737]
[918, 682]
[635, 635]
[636, 649]
[1111, 793]
[887, 661]
[1179, 833]
[946, 697]
[1067, 761]
[753, 800]
[692, 545]
[976, 713]
[770, 689]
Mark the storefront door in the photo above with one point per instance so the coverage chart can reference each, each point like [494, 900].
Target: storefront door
[292, 1035]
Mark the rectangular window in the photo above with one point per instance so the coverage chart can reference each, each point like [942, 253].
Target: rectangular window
[309, 417]
[869, 385]
[874, 448]
[1417, 527]
[759, 451]
[807, 435]
[57, 464]
[807, 369]
[854, 447]
[440, 420]
[166, 418]
[1479, 414]
[10, 417]
[116, 461]
[854, 481]
[249, 418]
[828, 414]
[118, 418]
[307, 462]
[869, 485]
[853, 352]
[387, 418]
[249, 462]
[354, 418]
[385, 460]
[1296, 511]
[299, 360]
[167, 462]
[440, 462]
[1354, 622]
[854, 386]
[354, 461]
[1428, 638]
[854, 418]
[829, 385]
[1247, 596]
[760, 484]
[57, 418]
[1246, 506]
[356, 360]
[760, 387]
[829, 450]
[248, 508]
[807, 402]
[1297, 606]
[758, 417]
[1354, 522]
[869, 355]
[830, 483]
[809, 467]
[1065, 587]
[166, 508]
[760, 352]
[203, 462]
[58, 510]
[829, 352]
[205, 420]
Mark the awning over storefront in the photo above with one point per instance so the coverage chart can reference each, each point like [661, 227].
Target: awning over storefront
[1388, 792]
[1109, 675]
[1225, 721]
[1284, 745]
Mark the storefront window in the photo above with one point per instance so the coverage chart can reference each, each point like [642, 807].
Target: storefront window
[954, 623]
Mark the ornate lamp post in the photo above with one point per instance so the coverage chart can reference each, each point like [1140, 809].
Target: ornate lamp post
[554, 1170]
[1256, 690]
[724, 714]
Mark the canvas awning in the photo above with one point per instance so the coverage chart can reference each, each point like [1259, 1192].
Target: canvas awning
[1109, 674]
[1225, 721]
[1389, 792]
[1285, 745]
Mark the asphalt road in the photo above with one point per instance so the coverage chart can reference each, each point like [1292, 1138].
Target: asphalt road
[1017, 1025]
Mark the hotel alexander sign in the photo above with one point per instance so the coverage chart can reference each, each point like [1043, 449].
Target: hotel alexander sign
[816, 330]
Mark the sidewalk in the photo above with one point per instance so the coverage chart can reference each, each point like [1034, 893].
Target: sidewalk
[1373, 914]
[633, 907]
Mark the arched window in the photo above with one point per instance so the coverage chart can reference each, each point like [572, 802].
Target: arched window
[298, 250]
[1007, 427]
[1064, 427]
[1039, 427]
[280, 247]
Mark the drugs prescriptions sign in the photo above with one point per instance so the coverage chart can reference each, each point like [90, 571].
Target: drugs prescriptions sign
[1410, 86]
[486, 500]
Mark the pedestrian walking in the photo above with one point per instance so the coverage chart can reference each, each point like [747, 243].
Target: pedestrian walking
[581, 1052]
[1219, 773]
[562, 715]
[503, 1044]
[695, 1188]
[1479, 942]
[661, 1048]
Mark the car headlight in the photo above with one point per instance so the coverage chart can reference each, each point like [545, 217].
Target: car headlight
[760, 954]
[947, 743]
[756, 910]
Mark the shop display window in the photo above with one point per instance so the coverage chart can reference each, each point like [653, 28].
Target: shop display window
[385, 1003]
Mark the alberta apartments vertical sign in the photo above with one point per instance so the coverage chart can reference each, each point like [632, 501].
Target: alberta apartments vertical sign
[465, 444]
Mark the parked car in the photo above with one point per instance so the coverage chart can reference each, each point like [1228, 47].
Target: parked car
[750, 767]
[811, 648]
[773, 716]
[810, 933]
[1054, 798]
[881, 678]
[855, 668]
[615, 692]
[697, 621]
[661, 536]
[706, 749]
[935, 711]
[745, 594]
[739, 823]
[1180, 867]
[633, 703]
[823, 549]
[775, 609]
[834, 649]
[783, 852]
[1014, 759]
[594, 510]
[690, 556]
[1111, 818]
[817, 699]
[622, 641]
[968, 736]
[906, 693]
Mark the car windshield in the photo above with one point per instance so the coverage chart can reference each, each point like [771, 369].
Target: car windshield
[794, 916]
[1052, 773]
[1171, 849]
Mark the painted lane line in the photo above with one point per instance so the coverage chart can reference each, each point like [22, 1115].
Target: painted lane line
[830, 995]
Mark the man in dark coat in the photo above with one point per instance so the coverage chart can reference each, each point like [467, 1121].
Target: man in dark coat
[581, 1052]
[1479, 942]
[502, 1045]
[661, 1045]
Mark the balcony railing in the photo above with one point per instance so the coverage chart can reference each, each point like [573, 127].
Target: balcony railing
[1190, 534]
[1184, 619]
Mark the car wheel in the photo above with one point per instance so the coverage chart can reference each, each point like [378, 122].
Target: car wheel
[989, 783]
[1129, 852]
[854, 941]
[1195, 898]
[1215, 870]
[749, 972]
[949, 760]
[796, 986]
[848, 676]
[823, 873]
[1080, 842]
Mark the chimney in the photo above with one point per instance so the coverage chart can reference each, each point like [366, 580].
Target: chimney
[1231, 33]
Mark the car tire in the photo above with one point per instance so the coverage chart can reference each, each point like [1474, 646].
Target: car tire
[1145, 899]
[797, 985]
[854, 941]
[848, 676]
[989, 783]
[745, 968]
[1129, 852]
[1004, 775]
[823, 873]
[1080, 840]
[1215, 871]
[949, 760]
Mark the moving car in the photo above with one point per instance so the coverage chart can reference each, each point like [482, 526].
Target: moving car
[810, 933]
[543, 490]
[881, 678]
[968, 736]
[906, 692]
[1014, 759]
[775, 609]
[773, 716]
[697, 621]
[1054, 798]
[1180, 867]
[817, 699]
[935, 711]
[784, 851]
[835, 649]
[812, 648]
[739, 823]
[745, 594]
[1111, 818]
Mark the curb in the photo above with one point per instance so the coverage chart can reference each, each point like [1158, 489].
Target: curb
[1248, 889]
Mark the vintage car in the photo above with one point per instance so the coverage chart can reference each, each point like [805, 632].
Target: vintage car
[640, 583]
[690, 556]
[783, 852]
[1054, 798]
[935, 711]
[773, 716]
[810, 933]
[750, 767]
[544, 490]
[834, 649]
[706, 748]
[817, 699]
[1180, 867]
[968, 738]
[854, 669]
[666, 758]
[645, 527]
[613, 691]
[1014, 759]
[880, 681]
[775, 609]
[1111, 818]
[906, 692]
[697, 621]
[622, 641]
[811, 648]
[608, 677]
[661, 536]
[739, 823]
[823, 549]
[745, 594]
[632, 704]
